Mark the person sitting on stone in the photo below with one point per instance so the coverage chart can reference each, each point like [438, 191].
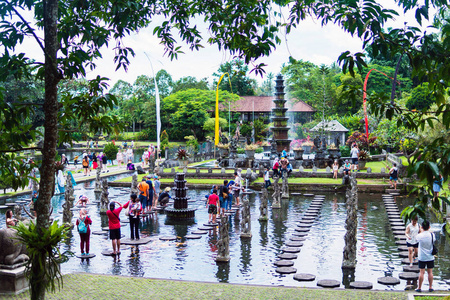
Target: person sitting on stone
[10, 220]
[284, 163]
[82, 200]
[164, 197]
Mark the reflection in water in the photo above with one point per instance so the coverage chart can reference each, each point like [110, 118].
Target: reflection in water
[348, 275]
[223, 271]
[263, 233]
[134, 263]
[246, 247]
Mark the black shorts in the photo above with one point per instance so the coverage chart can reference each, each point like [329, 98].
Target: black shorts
[86, 167]
[354, 160]
[212, 209]
[429, 264]
[114, 234]
[416, 245]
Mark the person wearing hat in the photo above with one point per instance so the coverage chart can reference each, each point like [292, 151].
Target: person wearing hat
[347, 167]
[157, 187]
[164, 197]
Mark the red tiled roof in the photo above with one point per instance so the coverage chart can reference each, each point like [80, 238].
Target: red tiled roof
[264, 104]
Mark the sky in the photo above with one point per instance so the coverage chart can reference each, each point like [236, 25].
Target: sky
[309, 41]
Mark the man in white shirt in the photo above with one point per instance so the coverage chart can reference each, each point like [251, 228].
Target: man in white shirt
[426, 259]
[354, 155]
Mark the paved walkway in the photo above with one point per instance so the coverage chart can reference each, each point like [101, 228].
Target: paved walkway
[93, 286]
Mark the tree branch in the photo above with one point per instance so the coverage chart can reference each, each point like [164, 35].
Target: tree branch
[18, 150]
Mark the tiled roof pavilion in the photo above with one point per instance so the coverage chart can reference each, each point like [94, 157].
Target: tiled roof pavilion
[264, 104]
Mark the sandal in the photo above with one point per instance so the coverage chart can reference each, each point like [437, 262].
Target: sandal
[431, 290]
[419, 290]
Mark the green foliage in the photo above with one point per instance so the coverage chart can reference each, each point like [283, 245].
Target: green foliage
[240, 151]
[189, 117]
[164, 141]
[210, 125]
[110, 150]
[43, 268]
[421, 98]
[349, 94]
[259, 150]
[345, 151]
[240, 83]
[361, 140]
[189, 82]
[146, 134]
[191, 141]
[352, 123]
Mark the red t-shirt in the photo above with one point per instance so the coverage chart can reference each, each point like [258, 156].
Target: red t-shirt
[87, 222]
[213, 199]
[113, 217]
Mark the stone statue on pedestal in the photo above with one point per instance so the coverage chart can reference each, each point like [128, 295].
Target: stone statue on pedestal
[276, 193]
[104, 201]
[223, 251]
[68, 204]
[245, 223]
[351, 223]
[134, 184]
[285, 187]
[263, 204]
[98, 185]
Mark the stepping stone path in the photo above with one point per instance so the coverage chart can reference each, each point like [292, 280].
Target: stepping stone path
[328, 283]
[10, 204]
[3, 207]
[294, 244]
[21, 201]
[401, 242]
[303, 234]
[308, 195]
[388, 280]
[205, 228]
[284, 263]
[286, 270]
[403, 254]
[402, 248]
[141, 241]
[297, 238]
[211, 224]
[361, 285]
[199, 232]
[192, 236]
[85, 256]
[405, 261]
[108, 253]
[408, 268]
[302, 229]
[295, 194]
[304, 277]
[304, 225]
[100, 232]
[287, 256]
[291, 249]
[398, 228]
[408, 275]
[168, 238]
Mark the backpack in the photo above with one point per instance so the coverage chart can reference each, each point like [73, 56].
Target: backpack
[394, 173]
[82, 228]
[85, 162]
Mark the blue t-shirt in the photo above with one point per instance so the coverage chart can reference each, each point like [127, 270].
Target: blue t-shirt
[150, 187]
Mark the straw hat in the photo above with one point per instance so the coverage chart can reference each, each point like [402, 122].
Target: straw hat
[167, 189]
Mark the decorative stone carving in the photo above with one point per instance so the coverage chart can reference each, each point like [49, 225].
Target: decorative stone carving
[245, 223]
[276, 193]
[197, 170]
[98, 185]
[223, 245]
[382, 170]
[11, 252]
[134, 184]
[351, 223]
[68, 204]
[104, 201]
[209, 171]
[263, 204]
[285, 188]
[172, 170]
[314, 169]
[300, 169]
[222, 170]
[369, 170]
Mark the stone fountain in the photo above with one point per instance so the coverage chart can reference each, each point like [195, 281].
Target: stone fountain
[280, 129]
[180, 210]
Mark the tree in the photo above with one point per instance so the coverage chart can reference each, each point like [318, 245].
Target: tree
[240, 83]
[421, 98]
[190, 116]
[189, 82]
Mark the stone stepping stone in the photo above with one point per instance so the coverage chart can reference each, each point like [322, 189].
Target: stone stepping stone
[392, 211]
[10, 204]
[304, 277]
[287, 256]
[141, 241]
[297, 238]
[291, 249]
[328, 283]
[308, 195]
[284, 263]
[199, 232]
[304, 225]
[311, 214]
[85, 256]
[403, 254]
[100, 232]
[286, 270]
[414, 269]
[307, 218]
[168, 238]
[361, 285]
[294, 244]
[401, 242]
[21, 201]
[301, 234]
[314, 206]
[402, 248]
[192, 236]
[105, 228]
[398, 228]
[388, 280]
[310, 221]
[408, 275]
[124, 221]
[320, 196]
[302, 229]
[313, 210]
[395, 194]
[205, 228]
[398, 232]
[395, 220]
[400, 237]
[108, 253]
[405, 261]
[296, 194]
[3, 207]
[396, 223]
[211, 224]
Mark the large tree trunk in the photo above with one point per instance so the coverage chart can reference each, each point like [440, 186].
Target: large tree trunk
[47, 170]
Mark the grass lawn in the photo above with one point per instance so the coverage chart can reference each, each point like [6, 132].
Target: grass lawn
[96, 286]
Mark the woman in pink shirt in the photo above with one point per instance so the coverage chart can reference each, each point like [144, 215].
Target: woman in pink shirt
[213, 205]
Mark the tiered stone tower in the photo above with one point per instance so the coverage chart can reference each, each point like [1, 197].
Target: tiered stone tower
[180, 210]
[280, 129]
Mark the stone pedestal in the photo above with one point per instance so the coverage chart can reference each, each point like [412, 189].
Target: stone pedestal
[223, 253]
[263, 205]
[246, 231]
[276, 193]
[13, 281]
[285, 188]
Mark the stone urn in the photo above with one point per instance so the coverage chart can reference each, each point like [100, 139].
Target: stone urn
[334, 153]
[183, 162]
[298, 154]
[361, 164]
[250, 153]
[266, 148]
[307, 149]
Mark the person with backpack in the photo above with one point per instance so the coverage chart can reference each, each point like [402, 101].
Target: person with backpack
[223, 196]
[134, 212]
[151, 191]
[143, 188]
[114, 225]
[229, 202]
[85, 164]
[394, 176]
[83, 226]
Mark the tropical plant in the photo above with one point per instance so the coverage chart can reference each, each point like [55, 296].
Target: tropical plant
[164, 140]
[251, 147]
[363, 155]
[223, 146]
[361, 140]
[110, 150]
[192, 142]
[265, 144]
[182, 154]
[43, 246]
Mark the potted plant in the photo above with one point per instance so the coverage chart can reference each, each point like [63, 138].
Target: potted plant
[333, 151]
[223, 149]
[307, 145]
[363, 156]
[250, 150]
[266, 145]
[183, 157]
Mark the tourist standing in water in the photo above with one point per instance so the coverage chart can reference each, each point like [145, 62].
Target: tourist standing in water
[114, 226]
[213, 206]
[223, 196]
[84, 229]
[157, 186]
[134, 211]
[426, 258]
[411, 232]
